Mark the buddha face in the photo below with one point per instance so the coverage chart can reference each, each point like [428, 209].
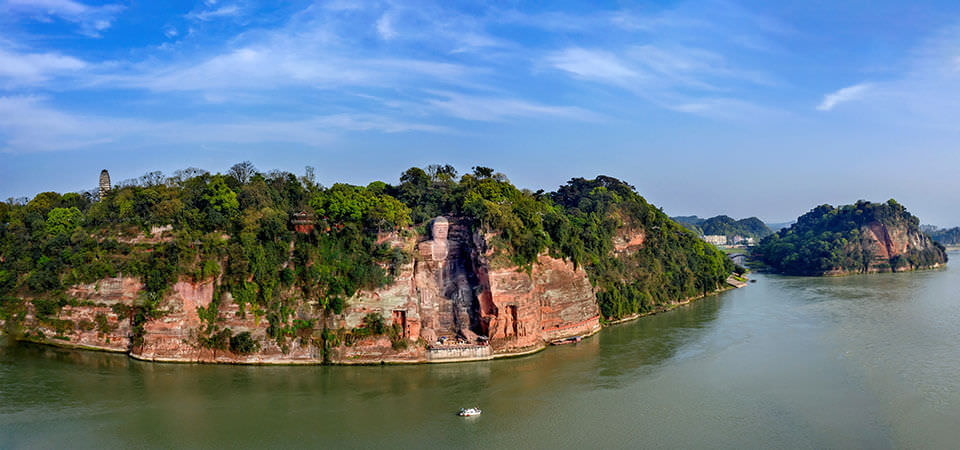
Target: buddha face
[439, 229]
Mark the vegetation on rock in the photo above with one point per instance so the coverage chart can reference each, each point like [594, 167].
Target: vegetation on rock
[236, 230]
[842, 240]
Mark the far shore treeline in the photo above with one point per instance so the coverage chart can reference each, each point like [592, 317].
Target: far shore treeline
[750, 227]
[238, 227]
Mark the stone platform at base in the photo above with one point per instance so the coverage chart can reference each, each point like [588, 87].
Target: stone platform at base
[455, 353]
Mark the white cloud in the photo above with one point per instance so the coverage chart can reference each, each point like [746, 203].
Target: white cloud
[846, 94]
[495, 109]
[283, 63]
[91, 19]
[52, 7]
[223, 11]
[646, 67]
[724, 108]
[595, 65]
[685, 79]
[17, 69]
[922, 93]
[385, 27]
[28, 124]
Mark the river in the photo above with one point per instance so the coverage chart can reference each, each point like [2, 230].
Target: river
[869, 361]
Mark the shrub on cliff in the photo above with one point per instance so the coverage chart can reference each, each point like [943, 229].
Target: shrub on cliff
[243, 343]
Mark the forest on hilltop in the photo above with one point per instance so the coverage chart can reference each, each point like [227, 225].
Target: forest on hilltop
[840, 240]
[751, 227]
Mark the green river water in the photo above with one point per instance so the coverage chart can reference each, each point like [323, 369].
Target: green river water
[867, 361]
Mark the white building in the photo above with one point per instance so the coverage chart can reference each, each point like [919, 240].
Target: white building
[715, 239]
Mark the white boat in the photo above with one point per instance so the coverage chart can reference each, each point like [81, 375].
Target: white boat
[469, 412]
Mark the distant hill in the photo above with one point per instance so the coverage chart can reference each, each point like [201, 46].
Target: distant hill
[726, 226]
[859, 238]
[777, 226]
[945, 236]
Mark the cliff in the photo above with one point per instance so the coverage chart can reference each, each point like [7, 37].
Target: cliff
[860, 238]
[448, 291]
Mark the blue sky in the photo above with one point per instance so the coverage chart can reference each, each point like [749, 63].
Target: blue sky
[743, 108]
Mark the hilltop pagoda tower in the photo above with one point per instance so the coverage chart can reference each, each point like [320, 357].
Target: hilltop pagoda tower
[104, 183]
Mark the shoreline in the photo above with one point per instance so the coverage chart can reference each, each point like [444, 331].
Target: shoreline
[839, 274]
[672, 306]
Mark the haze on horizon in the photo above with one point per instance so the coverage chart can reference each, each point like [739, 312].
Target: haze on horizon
[743, 108]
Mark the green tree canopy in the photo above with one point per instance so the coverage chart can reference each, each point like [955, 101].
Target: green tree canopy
[63, 220]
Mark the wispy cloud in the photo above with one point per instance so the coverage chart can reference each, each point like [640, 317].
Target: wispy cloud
[472, 107]
[693, 67]
[436, 60]
[91, 19]
[18, 69]
[723, 108]
[216, 13]
[678, 78]
[28, 124]
[385, 27]
[265, 67]
[430, 26]
[689, 57]
[844, 95]
[594, 65]
[924, 92]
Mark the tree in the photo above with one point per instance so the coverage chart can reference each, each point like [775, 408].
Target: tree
[444, 172]
[182, 175]
[242, 171]
[63, 220]
[243, 343]
[44, 201]
[221, 197]
[482, 172]
[346, 203]
[155, 178]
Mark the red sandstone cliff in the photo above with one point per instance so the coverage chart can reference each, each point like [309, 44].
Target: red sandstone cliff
[449, 289]
[884, 243]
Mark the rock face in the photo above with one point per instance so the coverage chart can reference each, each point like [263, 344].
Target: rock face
[449, 290]
[99, 320]
[887, 246]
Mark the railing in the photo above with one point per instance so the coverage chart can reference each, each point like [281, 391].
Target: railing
[459, 352]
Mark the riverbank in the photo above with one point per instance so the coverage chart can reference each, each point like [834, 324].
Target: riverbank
[845, 273]
[675, 305]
